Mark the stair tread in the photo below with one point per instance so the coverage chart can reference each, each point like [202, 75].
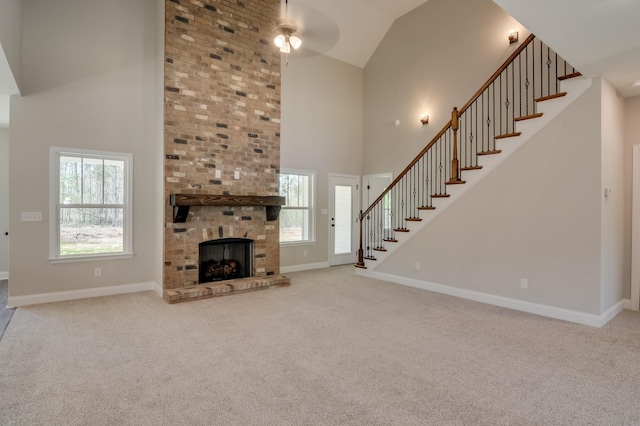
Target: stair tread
[379, 249]
[390, 240]
[401, 230]
[568, 76]
[528, 117]
[413, 219]
[470, 168]
[426, 208]
[508, 135]
[440, 195]
[495, 151]
[455, 182]
[549, 97]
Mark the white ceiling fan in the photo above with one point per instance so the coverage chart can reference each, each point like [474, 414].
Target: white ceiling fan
[287, 38]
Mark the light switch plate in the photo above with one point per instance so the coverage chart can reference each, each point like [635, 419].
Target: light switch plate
[31, 216]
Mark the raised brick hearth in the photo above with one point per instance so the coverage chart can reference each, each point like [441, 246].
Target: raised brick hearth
[206, 291]
[221, 138]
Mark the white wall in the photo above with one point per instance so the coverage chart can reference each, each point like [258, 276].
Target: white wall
[4, 203]
[321, 130]
[159, 135]
[90, 81]
[536, 216]
[613, 286]
[631, 137]
[431, 59]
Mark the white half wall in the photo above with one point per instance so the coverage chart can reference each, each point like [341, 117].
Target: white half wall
[613, 284]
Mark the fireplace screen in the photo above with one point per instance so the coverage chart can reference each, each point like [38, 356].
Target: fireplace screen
[225, 259]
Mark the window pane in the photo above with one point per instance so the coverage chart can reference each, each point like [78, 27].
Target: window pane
[88, 231]
[343, 200]
[295, 188]
[113, 182]
[70, 180]
[294, 225]
[92, 180]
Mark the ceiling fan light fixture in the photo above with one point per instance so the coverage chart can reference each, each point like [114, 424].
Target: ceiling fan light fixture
[279, 41]
[295, 41]
[286, 48]
[286, 41]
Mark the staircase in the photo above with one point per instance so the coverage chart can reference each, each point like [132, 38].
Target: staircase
[531, 88]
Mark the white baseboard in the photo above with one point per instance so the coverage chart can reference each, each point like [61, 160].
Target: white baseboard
[505, 302]
[305, 267]
[61, 296]
[4, 275]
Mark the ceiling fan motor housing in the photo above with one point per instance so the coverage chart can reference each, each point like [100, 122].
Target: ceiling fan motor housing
[286, 26]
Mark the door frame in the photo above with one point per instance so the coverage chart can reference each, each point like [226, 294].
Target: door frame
[356, 198]
[635, 231]
[388, 175]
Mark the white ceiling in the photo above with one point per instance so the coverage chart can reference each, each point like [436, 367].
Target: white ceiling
[348, 30]
[8, 87]
[598, 37]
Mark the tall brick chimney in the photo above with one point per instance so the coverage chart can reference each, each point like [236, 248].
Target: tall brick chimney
[221, 135]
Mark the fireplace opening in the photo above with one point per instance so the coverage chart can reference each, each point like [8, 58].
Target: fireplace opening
[225, 259]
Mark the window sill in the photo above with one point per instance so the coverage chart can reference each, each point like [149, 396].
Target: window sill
[91, 258]
[297, 243]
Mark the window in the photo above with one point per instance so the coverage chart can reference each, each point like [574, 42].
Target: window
[296, 216]
[91, 212]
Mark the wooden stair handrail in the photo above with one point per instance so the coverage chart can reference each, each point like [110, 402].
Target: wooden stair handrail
[495, 75]
[406, 169]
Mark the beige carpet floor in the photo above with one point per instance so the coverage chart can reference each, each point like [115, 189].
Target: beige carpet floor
[332, 349]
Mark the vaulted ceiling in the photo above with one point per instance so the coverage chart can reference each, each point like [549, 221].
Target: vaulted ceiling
[598, 37]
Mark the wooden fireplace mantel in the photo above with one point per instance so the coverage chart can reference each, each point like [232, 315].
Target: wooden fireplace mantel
[182, 202]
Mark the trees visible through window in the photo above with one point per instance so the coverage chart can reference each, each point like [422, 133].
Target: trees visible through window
[91, 209]
[296, 216]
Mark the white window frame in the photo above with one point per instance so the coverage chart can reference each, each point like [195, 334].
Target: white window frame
[312, 202]
[54, 205]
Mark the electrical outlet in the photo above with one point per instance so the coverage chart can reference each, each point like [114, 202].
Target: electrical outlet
[524, 283]
[97, 272]
[417, 266]
[31, 216]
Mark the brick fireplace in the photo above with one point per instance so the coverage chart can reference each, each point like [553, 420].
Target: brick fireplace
[221, 141]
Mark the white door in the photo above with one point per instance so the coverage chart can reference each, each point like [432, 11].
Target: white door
[343, 219]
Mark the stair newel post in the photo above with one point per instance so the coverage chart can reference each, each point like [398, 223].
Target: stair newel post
[360, 253]
[455, 177]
